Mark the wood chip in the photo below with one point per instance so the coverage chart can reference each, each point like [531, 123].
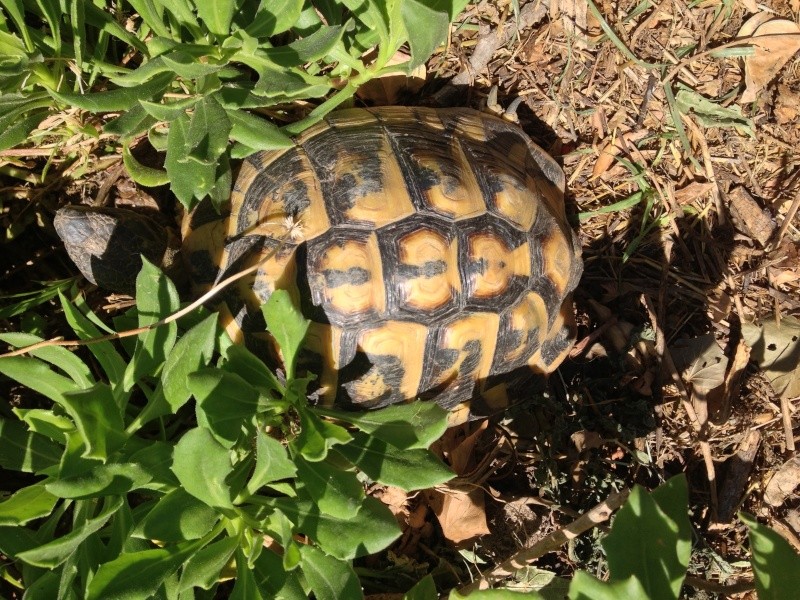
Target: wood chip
[734, 485]
[783, 483]
[749, 218]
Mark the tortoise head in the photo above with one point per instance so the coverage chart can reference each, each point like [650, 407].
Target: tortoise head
[106, 244]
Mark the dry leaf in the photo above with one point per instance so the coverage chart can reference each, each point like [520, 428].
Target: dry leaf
[783, 482]
[585, 440]
[703, 365]
[776, 349]
[612, 149]
[461, 513]
[770, 53]
[749, 217]
[694, 191]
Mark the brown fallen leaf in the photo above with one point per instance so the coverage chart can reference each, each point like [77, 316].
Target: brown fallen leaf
[783, 482]
[461, 513]
[780, 42]
[748, 217]
[776, 349]
[613, 148]
[694, 191]
[703, 364]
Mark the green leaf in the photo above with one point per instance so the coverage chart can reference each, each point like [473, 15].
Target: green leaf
[46, 422]
[130, 123]
[651, 539]
[193, 351]
[168, 111]
[248, 366]
[711, 114]
[23, 450]
[140, 173]
[217, 15]
[98, 420]
[52, 554]
[177, 517]
[32, 502]
[337, 492]
[587, 587]
[272, 463]
[58, 356]
[156, 298]
[406, 426]
[425, 589]
[329, 578]
[182, 178]
[19, 132]
[118, 100]
[308, 49]
[207, 135]
[257, 133]
[138, 575]
[427, 23]
[15, 539]
[246, 587]
[204, 567]
[202, 464]
[275, 17]
[776, 564]
[368, 531]
[105, 353]
[407, 469]
[274, 581]
[38, 376]
[100, 480]
[287, 324]
[317, 436]
[226, 401]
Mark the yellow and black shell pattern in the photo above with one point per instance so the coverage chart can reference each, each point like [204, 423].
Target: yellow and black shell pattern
[428, 247]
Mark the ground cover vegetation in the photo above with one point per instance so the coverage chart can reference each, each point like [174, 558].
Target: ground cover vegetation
[157, 459]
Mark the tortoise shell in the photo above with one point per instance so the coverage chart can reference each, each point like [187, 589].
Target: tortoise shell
[429, 248]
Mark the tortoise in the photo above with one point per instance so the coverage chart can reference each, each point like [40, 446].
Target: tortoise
[429, 248]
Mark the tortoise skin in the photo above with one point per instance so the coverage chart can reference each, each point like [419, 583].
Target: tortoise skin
[433, 255]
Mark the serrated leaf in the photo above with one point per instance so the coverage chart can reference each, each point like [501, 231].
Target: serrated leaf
[776, 564]
[337, 492]
[257, 133]
[138, 575]
[248, 366]
[182, 178]
[427, 23]
[23, 450]
[711, 114]
[216, 14]
[317, 436]
[193, 351]
[203, 568]
[98, 420]
[54, 553]
[27, 504]
[272, 463]
[167, 111]
[308, 49]
[406, 426]
[368, 531]
[117, 100]
[329, 578]
[177, 517]
[407, 469]
[287, 325]
[99, 480]
[275, 17]
[202, 464]
[156, 298]
[225, 401]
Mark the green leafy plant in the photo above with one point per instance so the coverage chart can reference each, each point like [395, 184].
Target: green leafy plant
[187, 72]
[187, 462]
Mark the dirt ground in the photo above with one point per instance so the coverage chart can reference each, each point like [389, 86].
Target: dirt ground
[683, 169]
